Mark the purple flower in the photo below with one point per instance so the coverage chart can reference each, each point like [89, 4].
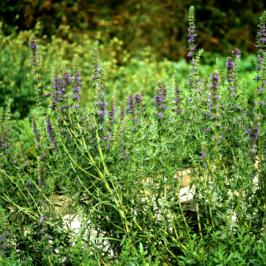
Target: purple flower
[76, 91]
[236, 52]
[254, 134]
[259, 62]
[261, 35]
[230, 64]
[50, 131]
[214, 97]
[138, 98]
[260, 90]
[261, 103]
[112, 114]
[231, 77]
[122, 113]
[177, 99]
[34, 53]
[131, 104]
[203, 155]
[33, 45]
[214, 81]
[66, 77]
[42, 219]
[101, 113]
[160, 101]
[100, 104]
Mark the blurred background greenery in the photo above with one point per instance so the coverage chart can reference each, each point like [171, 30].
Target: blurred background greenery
[223, 24]
[141, 42]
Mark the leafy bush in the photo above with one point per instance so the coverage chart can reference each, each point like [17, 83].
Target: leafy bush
[118, 167]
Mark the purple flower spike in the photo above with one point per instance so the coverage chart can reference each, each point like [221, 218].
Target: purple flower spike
[101, 114]
[236, 52]
[261, 35]
[203, 155]
[138, 98]
[230, 64]
[160, 101]
[66, 77]
[260, 90]
[122, 113]
[33, 45]
[42, 219]
[50, 131]
[254, 134]
[261, 103]
[192, 34]
[214, 80]
[76, 91]
[177, 99]
[131, 104]
[112, 114]
[214, 97]
[100, 104]
[34, 53]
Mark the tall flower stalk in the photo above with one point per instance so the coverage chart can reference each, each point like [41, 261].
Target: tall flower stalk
[111, 118]
[36, 72]
[192, 34]
[261, 82]
[232, 66]
[177, 99]
[50, 132]
[160, 102]
[214, 97]
[261, 68]
[76, 91]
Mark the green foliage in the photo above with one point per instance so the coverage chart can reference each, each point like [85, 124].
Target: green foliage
[95, 185]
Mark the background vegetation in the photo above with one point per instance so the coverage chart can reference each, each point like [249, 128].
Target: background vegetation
[161, 25]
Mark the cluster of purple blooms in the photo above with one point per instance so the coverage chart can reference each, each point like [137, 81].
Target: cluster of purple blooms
[50, 131]
[62, 83]
[177, 99]
[133, 103]
[254, 134]
[34, 52]
[100, 103]
[130, 104]
[231, 66]
[160, 101]
[76, 91]
[261, 36]
[214, 97]
[261, 45]
[60, 86]
[112, 114]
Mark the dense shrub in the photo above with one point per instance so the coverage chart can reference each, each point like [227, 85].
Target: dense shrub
[119, 166]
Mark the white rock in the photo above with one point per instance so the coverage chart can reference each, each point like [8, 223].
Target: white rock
[187, 193]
